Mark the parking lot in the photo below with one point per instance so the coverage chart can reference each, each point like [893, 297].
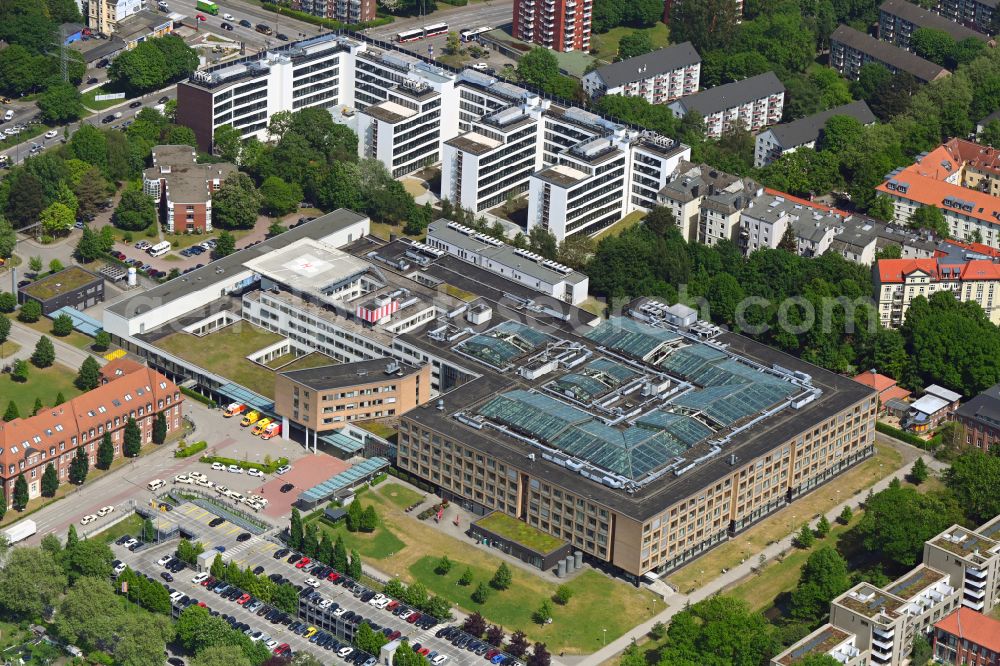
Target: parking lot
[259, 552]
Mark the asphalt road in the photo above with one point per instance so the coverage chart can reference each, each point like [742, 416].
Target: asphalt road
[254, 40]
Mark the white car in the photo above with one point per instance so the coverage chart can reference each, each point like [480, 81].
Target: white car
[235, 469]
[440, 659]
[218, 467]
[130, 543]
[235, 496]
[340, 611]
[222, 490]
[205, 483]
[376, 599]
[345, 652]
[51, 134]
[382, 604]
[312, 582]
[163, 560]
[88, 519]
[120, 568]
[228, 17]
[271, 644]
[105, 510]
[199, 578]
[326, 603]
[197, 476]
[176, 595]
[283, 469]
[255, 472]
[182, 478]
[480, 66]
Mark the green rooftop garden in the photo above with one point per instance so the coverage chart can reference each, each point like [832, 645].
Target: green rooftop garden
[520, 532]
[59, 283]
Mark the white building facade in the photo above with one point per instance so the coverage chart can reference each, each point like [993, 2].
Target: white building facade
[658, 77]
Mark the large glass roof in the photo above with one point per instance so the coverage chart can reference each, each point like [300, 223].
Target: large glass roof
[503, 343]
[594, 379]
[688, 430]
[730, 403]
[630, 337]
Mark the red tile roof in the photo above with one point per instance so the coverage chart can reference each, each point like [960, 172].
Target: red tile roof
[978, 248]
[806, 202]
[972, 626]
[894, 393]
[875, 381]
[896, 270]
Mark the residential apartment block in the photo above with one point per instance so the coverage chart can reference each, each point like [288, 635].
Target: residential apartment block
[851, 49]
[749, 104]
[560, 25]
[706, 202]
[775, 141]
[960, 178]
[528, 268]
[327, 398]
[102, 16]
[345, 11]
[980, 418]
[877, 625]
[182, 188]
[658, 77]
[898, 19]
[967, 637]
[128, 390]
[978, 14]
[899, 281]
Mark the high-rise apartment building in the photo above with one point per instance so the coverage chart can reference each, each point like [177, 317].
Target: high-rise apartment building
[560, 25]
[346, 11]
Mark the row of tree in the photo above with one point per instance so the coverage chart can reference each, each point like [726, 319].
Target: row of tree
[284, 597]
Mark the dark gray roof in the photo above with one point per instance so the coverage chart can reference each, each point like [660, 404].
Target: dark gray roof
[729, 95]
[990, 118]
[886, 53]
[984, 408]
[649, 65]
[326, 377]
[804, 130]
[924, 18]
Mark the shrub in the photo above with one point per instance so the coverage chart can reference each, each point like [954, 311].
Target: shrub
[194, 395]
[190, 449]
[267, 469]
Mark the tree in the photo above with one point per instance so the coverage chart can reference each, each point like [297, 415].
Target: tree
[562, 595]
[502, 578]
[575, 250]
[153, 63]
[466, 578]
[160, 429]
[30, 312]
[822, 527]
[340, 555]
[972, 478]
[634, 44]
[708, 25]
[25, 199]
[369, 640]
[221, 655]
[62, 325]
[88, 247]
[495, 635]
[934, 45]
[135, 211]
[89, 558]
[474, 625]
[719, 630]
[405, 656]
[132, 439]
[310, 541]
[845, 515]
[44, 354]
[919, 472]
[823, 577]
[30, 581]
[227, 141]
[805, 538]
[91, 192]
[79, 466]
[50, 481]
[102, 341]
[921, 653]
[395, 588]
[236, 203]
[8, 302]
[539, 656]
[898, 520]
[148, 531]
[19, 373]
[544, 613]
[481, 593]
[518, 644]
[89, 375]
[295, 531]
[354, 516]
[276, 229]
[658, 631]
[4, 329]
[12, 412]
[20, 499]
[278, 197]
[930, 218]
[443, 566]
[543, 242]
[225, 245]
[354, 567]
[60, 104]
[369, 519]
[539, 67]
[35, 264]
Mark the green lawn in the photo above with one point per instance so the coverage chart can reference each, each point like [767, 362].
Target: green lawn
[44, 326]
[131, 525]
[44, 383]
[621, 225]
[519, 531]
[281, 360]
[377, 428]
[597, 604]
[225, 351]
[401, 496]
[9, 348]
[606, 44]
[91, 103]
[182, 240]
[376, 545]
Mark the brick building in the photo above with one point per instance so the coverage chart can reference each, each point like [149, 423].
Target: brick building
[182, 188]
[967, 637]
[127, 389]
[981, 418]
[560, 25]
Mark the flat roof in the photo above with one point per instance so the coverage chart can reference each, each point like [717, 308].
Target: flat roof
[870, 601]
[561, 175]
[473, 142]
[338, 375]
[914, 582]
[57, 284]
[389, 112]
[820, 641]
[308, 265]
[220, 269]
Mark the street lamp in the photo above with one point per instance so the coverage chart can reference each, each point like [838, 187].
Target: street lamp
[605, 641]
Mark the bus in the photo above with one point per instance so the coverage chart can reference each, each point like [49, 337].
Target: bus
[159, 249]
[472, 33]
[435, 30]
[409, 35]
[208, 7]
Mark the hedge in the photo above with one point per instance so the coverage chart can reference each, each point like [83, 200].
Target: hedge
[190, 449]
[325, 22]
[904, 436]
[379, 479]
[243, 464]
[194, 395]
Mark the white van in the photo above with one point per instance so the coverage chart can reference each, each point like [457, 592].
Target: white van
[7, 117]
[159, 249]
[156, 484]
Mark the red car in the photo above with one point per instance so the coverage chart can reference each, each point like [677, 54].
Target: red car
[209, 581]
[282, 649]
[301, 563]
[394, 635]
[492, 653]
[393, 605]
[413, 618]
[201, 17]
[202, 604]
[424, 651]
[242, 600]
[333, 577]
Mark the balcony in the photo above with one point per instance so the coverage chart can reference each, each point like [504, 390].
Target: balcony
[975, 573]
[886, 633]
[975, 594]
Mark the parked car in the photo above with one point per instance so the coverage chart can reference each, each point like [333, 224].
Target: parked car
[283, 469]
[216, 522]
[288, 487]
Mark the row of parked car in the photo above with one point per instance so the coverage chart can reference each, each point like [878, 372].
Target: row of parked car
[460, 639]
[252, 605]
